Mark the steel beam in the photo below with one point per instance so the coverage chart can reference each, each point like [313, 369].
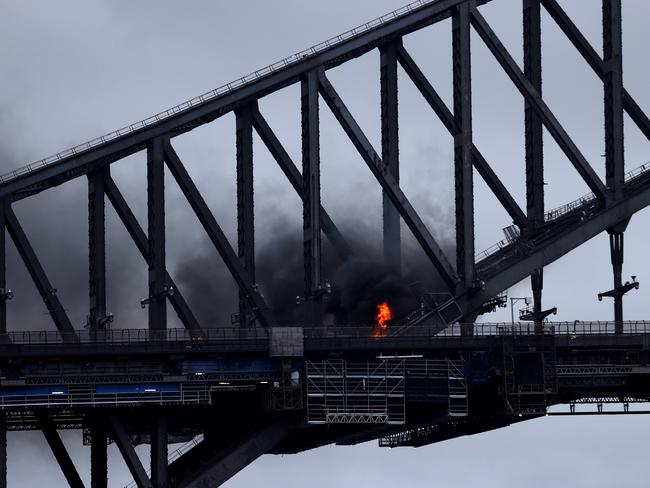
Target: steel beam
[534, 141]
[295, 178]
[97, 248]
[388, 184]
[4, 292]
[531, 95]
[390, 152]
[142, 243]
[159, 451]
[158, 287]
[447, 118]
[463, 171]
[245, 206]
[80, 163]
[613, 94]
[98, 456]
[216, 235]
[36, 271]
[3, 450]
[225, 463]
[537, 285]
[311, 190]
[128, 453]
[60, 453]
[556, 247]
[595, 61]
[534, 129]
[616, 241]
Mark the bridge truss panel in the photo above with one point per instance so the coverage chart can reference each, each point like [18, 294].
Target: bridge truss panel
[377, 391]
[367, 392]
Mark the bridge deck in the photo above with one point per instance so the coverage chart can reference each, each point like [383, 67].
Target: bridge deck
[256, 341]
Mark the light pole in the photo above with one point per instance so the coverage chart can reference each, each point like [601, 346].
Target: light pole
[514, 300]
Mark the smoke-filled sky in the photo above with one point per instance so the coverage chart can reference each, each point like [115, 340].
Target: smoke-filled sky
[72, 70]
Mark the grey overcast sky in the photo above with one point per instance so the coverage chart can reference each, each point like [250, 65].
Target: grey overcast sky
[75, 69]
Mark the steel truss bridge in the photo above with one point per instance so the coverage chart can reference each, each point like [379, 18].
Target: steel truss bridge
[263, 387]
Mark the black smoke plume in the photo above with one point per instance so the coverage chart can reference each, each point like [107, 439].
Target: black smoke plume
[358, 284]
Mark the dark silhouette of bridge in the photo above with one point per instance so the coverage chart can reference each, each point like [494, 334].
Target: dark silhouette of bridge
[260, 386]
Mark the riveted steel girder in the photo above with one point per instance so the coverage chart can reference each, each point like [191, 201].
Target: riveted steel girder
[97, 247]
[447, 118]
[390, 151]
[36, 271]
[595, 61]
[292, 173]
[140, 239]
[387, 182]
[245, 205]
[554, 127]
[216, 235]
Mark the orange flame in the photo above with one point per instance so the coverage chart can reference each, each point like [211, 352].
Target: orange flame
[384, 314]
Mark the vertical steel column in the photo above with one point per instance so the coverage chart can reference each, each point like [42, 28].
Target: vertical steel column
[3, 450]
[390, 151]
[533, 124]
[616, 251]
[156, 228]
[463, 143]
[245, 207]
[97, 248]
[98, 456]
[537, 284]
[159, 467]
[613, 80]
[3, 267]
[311, 192]
[534, 141]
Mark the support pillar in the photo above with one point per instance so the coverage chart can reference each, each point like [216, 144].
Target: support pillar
[463, 143]
[3, 450]
[131, 458]
[533, 124]
[159, 452]
[141, 241]
[37, 273]
[390, 152]
[537, 282]
[60, 453]
[98, 456]
[614, 93]
[616, 234]
[156, 226]
[245, 208]
[616, 251]
[97, 249]
[311, 193]
[534, 143]
[4, 292]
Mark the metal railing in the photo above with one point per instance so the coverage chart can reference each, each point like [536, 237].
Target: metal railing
[590, 198]
[91, 399]
[556, 213]
[258, 335]
[217, 92]
[571, 329]
[135, 336]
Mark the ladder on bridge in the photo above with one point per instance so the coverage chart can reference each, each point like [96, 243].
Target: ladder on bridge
[457, 389]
